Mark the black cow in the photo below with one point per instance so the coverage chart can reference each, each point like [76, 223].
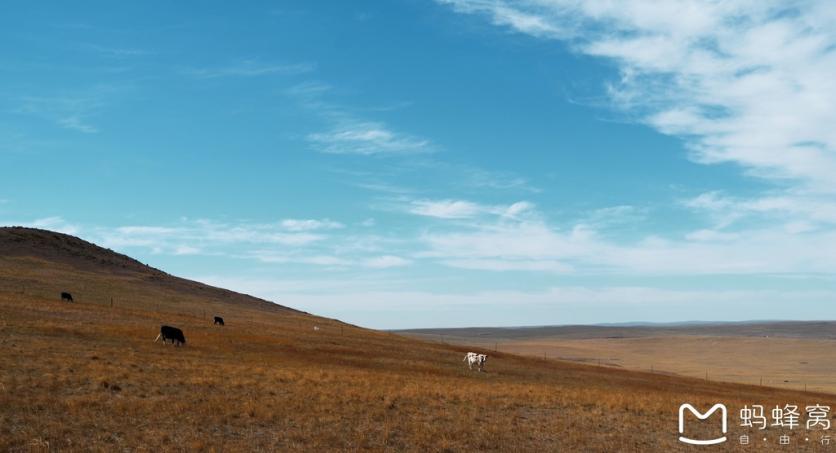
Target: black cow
[171, 333]
[67, 296]
[219, 320]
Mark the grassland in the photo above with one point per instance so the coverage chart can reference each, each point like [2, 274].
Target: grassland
[774, 361]
[87, 377]
[792, 355]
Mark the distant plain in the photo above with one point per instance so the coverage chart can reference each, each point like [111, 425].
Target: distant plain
[794, 355]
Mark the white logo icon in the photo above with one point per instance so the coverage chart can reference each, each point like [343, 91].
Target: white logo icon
[701, 416]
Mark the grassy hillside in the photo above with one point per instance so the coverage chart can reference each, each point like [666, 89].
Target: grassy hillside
[87, 377]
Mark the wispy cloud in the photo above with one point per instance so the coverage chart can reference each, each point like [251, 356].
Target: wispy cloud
[311, 242]
[367, 138]
[530, 243]
[308, 89]
[481, 178]
[331, 261]
[741, 81]
[54, 223]
[795, 212]
[250, 68]
[350, 132]
[386, 261]
[69, 112]
[204, 234]
[614, 215]
[310, 224]
[114, 52]
[463, 209]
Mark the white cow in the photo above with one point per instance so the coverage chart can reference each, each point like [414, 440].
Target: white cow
[473, 358]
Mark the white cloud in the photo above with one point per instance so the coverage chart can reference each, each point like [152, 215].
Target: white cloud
[77, 123]
[298, 257]
[506, 264]
[508, 246]
[186, 250]
[367, 138]
[503, 15]
[517, 209]
[330, 261]
[711, 235]
[310, 224]
[463, 209]
[534, 245]
[748, 82]
[805, 211]
[289, 241]
[386, 261]
[198, 236]
[446, 209]
[350, 132]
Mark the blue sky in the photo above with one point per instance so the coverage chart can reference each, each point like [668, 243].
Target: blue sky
[419, 163]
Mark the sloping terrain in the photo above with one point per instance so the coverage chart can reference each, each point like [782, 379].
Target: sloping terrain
[87, 376]
[44, 263]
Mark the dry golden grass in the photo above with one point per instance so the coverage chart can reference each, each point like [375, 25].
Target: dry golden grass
[792, 363]
[87, 377]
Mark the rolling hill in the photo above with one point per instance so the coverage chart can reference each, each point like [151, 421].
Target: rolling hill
[45, 263]
[87, 376]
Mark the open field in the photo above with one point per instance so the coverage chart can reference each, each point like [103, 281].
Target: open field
[86, 376]
[793, 355]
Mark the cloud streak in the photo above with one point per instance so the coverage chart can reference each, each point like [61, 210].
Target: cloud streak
[68, 112]
[366, 138]
[463, 209]
[250, 68]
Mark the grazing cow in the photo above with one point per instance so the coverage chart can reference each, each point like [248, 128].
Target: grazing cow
[67, 296]
[171, 333]
[219, 321]
[473, 358]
